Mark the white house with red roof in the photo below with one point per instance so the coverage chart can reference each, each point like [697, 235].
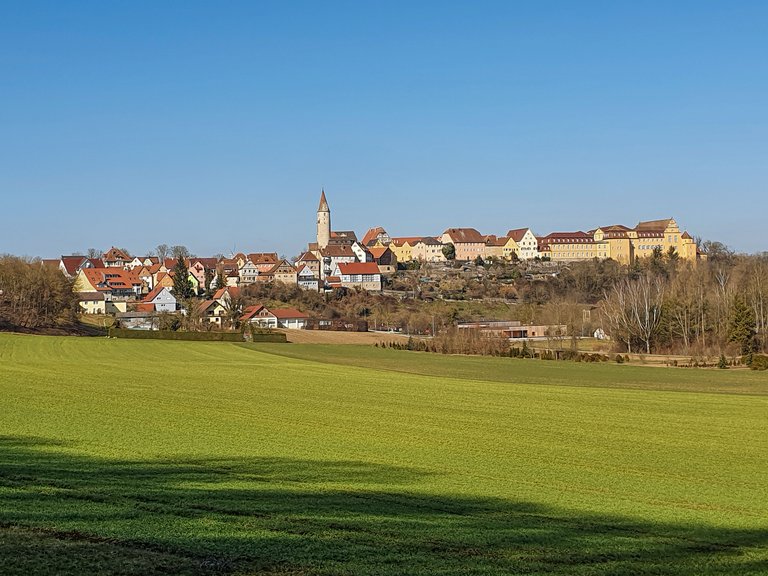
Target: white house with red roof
[264, 317]
[162, 299]
[365, 275]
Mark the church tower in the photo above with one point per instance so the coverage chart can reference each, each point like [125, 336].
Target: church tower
[323, 222]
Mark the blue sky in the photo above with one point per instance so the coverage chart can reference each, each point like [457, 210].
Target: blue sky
[215, 124]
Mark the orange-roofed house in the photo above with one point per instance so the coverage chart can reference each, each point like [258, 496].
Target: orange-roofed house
[116, 258]
[384, 258]
[375, 236]
[365, 275]
[468, 242]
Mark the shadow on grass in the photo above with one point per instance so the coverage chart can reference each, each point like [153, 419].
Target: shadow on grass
[62, 513]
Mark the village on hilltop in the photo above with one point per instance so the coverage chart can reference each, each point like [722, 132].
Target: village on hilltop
[137, 288]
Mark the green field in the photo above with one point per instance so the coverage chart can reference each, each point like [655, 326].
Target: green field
[154, 457]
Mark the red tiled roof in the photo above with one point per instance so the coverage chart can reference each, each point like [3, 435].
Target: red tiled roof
[464, 236]
[153, 293]
[263, 257]
[347, 268]
[373, 234]
[334, 250]
[251, 311]
[307, 257]
[116, 254]
[517, 234]
[72, 263]
[288, 313]
[400, 240]
[378, 252]
[233, 292]
[111, 278]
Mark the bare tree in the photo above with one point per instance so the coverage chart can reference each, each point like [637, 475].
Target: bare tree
[646, 300]
[162, 251]
[179, 251]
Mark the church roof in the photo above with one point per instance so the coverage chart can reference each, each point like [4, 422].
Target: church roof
[323, 203]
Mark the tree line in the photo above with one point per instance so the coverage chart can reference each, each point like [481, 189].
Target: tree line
[33, 295]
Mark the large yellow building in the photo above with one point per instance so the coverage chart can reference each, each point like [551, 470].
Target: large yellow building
[620, 243]
[664, 234]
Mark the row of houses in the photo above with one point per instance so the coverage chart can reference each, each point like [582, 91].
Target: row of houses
[618, 242]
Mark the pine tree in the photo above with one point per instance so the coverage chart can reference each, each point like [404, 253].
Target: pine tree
[741, 328]
[182, 285]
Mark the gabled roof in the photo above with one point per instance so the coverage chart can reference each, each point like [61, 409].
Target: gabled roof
[464, 236]
[347, 268]
[517, 234]
[154, 293]
[308, 257]
[401, 240]
[493, 240]
[116, 254]
[206, 304]
[429, 241]
[233, 291]
[208, 263]
[334, 250]
[653, 225]
[373, 234]
[345, 234]
[106, 279]
[72, 263]
[288, 313]
[282, 264]
[263, 257]
[378, 252]
[686, 236]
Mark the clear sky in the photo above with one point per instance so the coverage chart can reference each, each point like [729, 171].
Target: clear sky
[215, 124]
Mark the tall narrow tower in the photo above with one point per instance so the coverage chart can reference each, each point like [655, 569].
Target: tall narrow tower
[323, 222]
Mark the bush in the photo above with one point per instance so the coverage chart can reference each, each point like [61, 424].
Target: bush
[619, 359]
[192, 336]
[759, 362]
[722, 363]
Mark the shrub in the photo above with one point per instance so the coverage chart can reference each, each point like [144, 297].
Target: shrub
[759, 362]
[722, 363]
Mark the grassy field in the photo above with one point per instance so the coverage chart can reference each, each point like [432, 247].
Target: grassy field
[153, 457]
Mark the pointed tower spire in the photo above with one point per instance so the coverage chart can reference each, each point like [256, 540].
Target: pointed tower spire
[323, 203]
[323, 222]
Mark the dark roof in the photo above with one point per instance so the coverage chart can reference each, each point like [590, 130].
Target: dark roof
[465, 236]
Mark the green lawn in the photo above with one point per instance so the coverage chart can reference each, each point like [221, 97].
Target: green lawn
[150, 457]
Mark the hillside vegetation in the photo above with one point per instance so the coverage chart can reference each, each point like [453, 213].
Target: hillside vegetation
[155, 457]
